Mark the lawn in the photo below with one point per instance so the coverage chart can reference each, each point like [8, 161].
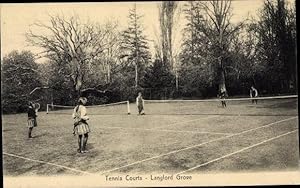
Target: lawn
[240, 138]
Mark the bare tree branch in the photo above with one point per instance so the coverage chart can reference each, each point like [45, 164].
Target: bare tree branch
[71, 44]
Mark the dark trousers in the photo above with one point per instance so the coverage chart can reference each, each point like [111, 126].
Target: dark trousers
[223, 103]
[254, 101]
[140, 108]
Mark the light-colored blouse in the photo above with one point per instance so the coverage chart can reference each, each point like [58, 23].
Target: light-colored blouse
[80, 113]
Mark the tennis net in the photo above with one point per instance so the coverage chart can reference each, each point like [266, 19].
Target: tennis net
[265, 106]
[118, 108]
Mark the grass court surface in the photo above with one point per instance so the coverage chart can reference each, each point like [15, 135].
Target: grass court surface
[243, 137]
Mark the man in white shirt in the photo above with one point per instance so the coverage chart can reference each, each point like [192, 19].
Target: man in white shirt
[253, 94]
[140, 104]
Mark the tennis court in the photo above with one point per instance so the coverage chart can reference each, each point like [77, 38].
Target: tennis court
[175, 137]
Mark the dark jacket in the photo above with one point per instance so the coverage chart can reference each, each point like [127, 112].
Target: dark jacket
[31, 113]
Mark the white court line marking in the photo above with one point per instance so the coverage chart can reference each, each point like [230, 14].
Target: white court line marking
[48, 163]
[168, 130]
[233, 153]
[194, 146]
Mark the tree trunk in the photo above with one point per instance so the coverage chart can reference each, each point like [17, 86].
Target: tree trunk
[74, 95]
[136, 69]
[136, 47]
[163, 33]
[222, 85]
[108, 73]
[136, 76]
[77, 85]
[176, 77]
[221, 73]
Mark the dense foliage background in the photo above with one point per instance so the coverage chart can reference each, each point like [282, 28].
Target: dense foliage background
[87, 58]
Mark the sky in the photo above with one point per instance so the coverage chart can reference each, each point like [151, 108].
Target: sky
[17, 19]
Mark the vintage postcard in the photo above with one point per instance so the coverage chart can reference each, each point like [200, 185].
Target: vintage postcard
[146, 94]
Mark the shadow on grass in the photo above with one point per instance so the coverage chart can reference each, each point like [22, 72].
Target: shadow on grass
[39, 135]
[90, 146]
[284, 105]
[91, 152]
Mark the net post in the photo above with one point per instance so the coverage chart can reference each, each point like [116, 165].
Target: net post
[47, 109]
[128, 108]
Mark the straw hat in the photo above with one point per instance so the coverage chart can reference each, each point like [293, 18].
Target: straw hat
[83, 100]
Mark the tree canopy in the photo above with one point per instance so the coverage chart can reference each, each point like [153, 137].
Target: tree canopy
[85, 58]
[19, 77]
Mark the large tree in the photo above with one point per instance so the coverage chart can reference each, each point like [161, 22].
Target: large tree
[134, 47]
[276, 32]
[209, 37]
[167, 13]
[74, 46]
[219, 31]
[158, 79]
[242, 66]
[19, 77]
[109, 62]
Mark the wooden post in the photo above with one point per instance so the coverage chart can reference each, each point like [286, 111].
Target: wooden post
[128, 108]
